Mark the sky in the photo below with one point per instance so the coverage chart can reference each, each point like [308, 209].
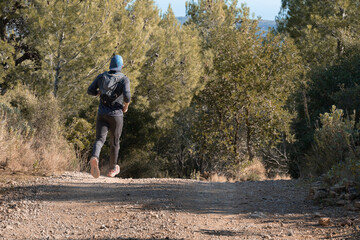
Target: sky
[266, 9]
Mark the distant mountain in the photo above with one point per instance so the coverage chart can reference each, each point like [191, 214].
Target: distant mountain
[182, 20]
[263, 24]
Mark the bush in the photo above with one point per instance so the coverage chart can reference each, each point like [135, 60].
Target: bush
[16, 140]
[336, 152]
[252, 171]
[81, 135]
[31, 134]
[143, 164]
[332, 141]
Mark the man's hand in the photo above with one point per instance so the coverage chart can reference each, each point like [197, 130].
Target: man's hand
[125, 107]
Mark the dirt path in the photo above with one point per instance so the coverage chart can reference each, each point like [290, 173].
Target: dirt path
[76, 206]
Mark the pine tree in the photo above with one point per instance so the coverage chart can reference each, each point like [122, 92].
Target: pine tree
[327, 36]
[322, 30]
[16, 54]
[130, 31]
[6, 60]
[171, 74]
[134, 27]
[73, 40]
[169, 78]
[243, 106]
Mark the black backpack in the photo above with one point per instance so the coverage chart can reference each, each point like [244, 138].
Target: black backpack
[111, 88]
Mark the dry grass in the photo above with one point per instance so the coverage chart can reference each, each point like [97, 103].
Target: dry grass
[16, 152]
[21, 153]
[254, 171]
[214, 177]
[31, 137]
[56, 158]
[282, 177]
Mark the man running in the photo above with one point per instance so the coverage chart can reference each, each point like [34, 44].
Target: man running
[113, 87]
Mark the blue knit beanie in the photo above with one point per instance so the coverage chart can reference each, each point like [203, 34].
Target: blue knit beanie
[116, 63]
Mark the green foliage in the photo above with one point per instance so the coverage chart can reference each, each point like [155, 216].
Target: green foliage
[209, 16]
[144, 164]
[332, 85]
[171, 73]
[23, 100]
[323, 30]
[344, 172]
[72, 38]
[243, 105]
[169, 79]
[135, 25]
[19, 58]
[210, 95]
[6, 60]
[336, 151]
[179, 144]
[334, 142]
[326, 34]
[80, 134]
[336, 84]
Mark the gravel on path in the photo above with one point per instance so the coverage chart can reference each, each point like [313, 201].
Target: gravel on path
[76, 206]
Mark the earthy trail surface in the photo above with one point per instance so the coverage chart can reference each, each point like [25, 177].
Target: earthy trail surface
[77, 206]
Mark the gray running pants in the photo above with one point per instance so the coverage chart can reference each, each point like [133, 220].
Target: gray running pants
[105, 123]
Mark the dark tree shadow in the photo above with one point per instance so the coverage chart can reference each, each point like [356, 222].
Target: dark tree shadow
[195, 197]
[220, 233]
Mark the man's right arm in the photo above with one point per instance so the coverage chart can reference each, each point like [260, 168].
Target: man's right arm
[125, 107]
[93, 88]
[127, 95]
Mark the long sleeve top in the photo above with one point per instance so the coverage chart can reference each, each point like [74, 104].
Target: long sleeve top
[124, 96]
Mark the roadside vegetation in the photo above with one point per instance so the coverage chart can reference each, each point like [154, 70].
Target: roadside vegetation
[212, 97]
[32, 135]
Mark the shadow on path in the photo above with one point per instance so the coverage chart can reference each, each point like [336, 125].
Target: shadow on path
[277, 197]
[120, 238]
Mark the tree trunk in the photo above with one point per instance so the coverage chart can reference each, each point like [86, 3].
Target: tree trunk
[306, 109]
[57, 77]
[248, 136]
[340, 45]
[58, 65]
[3, 22]
[340, 48]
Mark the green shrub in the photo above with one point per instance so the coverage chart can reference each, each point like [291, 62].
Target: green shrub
[80, 133]
[336, 151]
[143, 164]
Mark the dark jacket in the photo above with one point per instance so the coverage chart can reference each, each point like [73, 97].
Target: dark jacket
[124, 96]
